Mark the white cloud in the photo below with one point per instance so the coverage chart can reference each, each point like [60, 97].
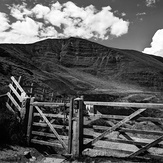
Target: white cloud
[156, 44]
[19, 11]
[4, 22]
[150, 3]
[40, 11]
[123, 14]
[62, 20]
[119, 27]
[48, 32]
[139, 14]
[27, 27]
[6, 37]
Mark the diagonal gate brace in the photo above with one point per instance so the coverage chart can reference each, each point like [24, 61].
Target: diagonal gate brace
[145, 148]
[110, 130]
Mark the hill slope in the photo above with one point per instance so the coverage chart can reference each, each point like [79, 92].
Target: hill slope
[78, 66]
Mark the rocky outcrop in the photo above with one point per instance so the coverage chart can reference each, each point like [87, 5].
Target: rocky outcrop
[78, 66]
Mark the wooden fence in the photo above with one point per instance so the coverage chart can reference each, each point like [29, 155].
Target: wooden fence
[42, 93]
[66, 125]
[17, 98]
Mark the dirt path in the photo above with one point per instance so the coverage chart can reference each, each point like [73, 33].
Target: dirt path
[16, 154]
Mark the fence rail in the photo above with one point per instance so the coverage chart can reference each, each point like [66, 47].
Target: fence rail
[126, 104]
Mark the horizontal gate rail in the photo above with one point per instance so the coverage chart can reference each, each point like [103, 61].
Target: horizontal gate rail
[131, 142]
[126, 104]
[120, 117]
[50, 104]
[157, 133]
[42, 142]
[45, 125]
[50, 115]
[48, 135]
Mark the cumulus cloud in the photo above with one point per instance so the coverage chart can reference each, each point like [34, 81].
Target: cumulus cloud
[40, 11]
[156, 44]
[4, 22]
[19, 11]
[59, 21]
[150, 3]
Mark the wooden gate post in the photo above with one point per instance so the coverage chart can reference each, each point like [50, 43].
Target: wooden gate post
[30, 121]
[70, 132]
[78, 128]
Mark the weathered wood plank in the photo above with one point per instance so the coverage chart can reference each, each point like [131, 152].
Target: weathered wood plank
[134, 131]
[80, 125]
[152, 119]
[126, 104]
[50, 115]
[123, 153]
[50, 135]
[41, 124]
[146, 132]
[13, 101]
[70, 132]
[116, 126]
[3, 95]
[51, 127]
[130, 141]
[41, 142]
[18, 85]
[15, 92]
[78, 128]
[50, 104]
[120, 117]
[145, 148]
[30, 121]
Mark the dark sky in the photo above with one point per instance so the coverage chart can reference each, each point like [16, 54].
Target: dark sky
[141, 28]
[144, 17]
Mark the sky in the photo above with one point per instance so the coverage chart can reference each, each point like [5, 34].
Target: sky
[124, 24]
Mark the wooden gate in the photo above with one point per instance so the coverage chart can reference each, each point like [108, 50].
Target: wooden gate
[67, 134]
[98, 140]
[49, 128]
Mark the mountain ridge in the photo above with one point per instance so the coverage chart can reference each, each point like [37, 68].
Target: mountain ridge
[79, 66]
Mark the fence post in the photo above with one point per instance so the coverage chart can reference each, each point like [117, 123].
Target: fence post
[30, 121]
[78, 129]
[25, 120]
[70, 132]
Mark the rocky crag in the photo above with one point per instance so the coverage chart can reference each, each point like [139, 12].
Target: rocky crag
[78, 66]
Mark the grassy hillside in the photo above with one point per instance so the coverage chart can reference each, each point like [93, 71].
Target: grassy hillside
[78, 66]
